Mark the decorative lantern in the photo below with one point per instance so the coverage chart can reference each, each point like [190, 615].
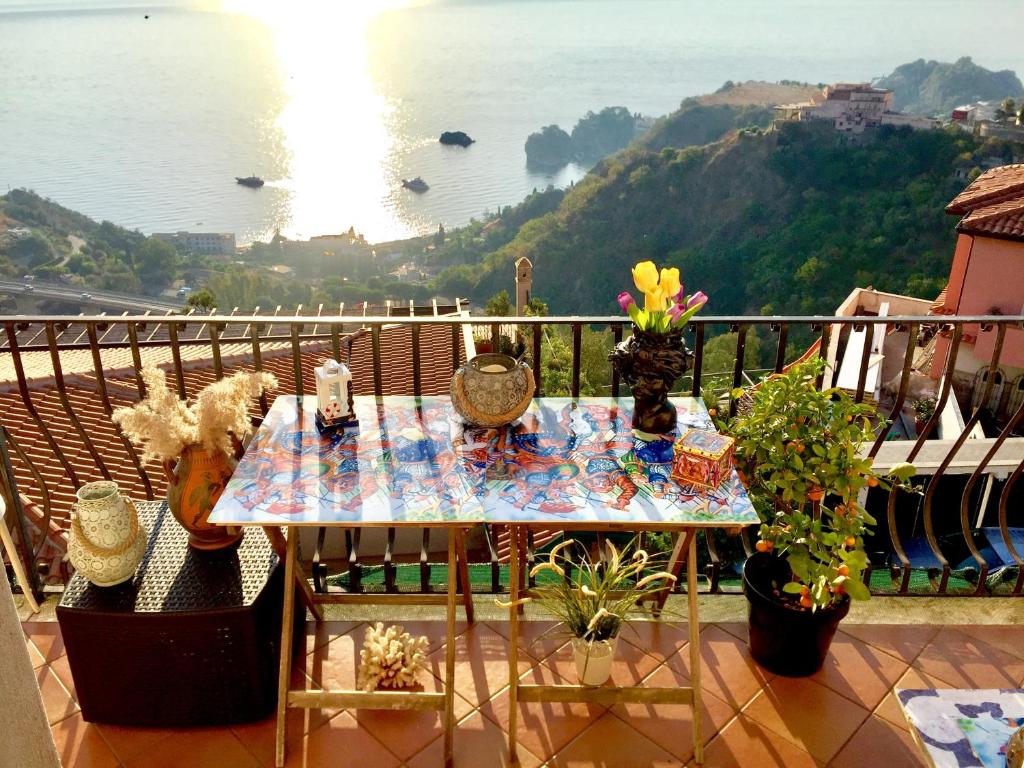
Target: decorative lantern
[334, 396]
[702, 458]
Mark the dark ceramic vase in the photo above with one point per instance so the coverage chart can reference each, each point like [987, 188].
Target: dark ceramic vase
[651, 363]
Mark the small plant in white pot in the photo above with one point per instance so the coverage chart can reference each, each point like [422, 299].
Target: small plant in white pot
[593, 599]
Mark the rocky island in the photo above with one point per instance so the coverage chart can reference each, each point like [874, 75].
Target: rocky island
[458, 138]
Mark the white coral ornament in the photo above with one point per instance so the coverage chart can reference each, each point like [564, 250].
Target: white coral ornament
[390, 658]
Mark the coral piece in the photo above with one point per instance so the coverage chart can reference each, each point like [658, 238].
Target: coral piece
[391, 658]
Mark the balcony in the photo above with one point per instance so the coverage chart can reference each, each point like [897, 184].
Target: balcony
[61, 377]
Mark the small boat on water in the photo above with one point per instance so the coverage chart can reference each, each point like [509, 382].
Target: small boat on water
[416, 185]
[250, 181]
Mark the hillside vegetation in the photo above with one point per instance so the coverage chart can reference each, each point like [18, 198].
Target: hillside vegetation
[778, 221]
[935, 87]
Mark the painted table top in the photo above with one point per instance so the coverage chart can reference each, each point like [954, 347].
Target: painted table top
[412, 462]
[964, 728]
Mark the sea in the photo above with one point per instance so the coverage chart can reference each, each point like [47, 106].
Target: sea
[144, 114]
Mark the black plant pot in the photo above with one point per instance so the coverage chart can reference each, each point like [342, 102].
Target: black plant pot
[785, 640]
[651, 363]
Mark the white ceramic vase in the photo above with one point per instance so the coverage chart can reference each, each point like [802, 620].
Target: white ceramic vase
[594, 659]
[106, 542]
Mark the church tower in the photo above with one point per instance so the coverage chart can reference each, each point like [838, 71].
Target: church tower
[524, 284]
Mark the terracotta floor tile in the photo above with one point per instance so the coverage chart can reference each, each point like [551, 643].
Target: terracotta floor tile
[727, 669]
[537, 638]
[745, 744]
[738, 629]
[336, 664]
[341, 743]
[967, 662]
[81, 745]
[45, 636]
[205, 748]
[478, 741]
[670, 726]
[890, 709]
[859, 671]
[807, 713]
[899, 640]
[543, 728]
[611, 742]
[128, 742]
[405, 732]
[62, 669]
[322, 632]
[434, 630]
[481, 666]
[34, 654]
[56, 700]
[630, 667]
[879, 742]
[658, 638]
[260, 738]
[1005, 638]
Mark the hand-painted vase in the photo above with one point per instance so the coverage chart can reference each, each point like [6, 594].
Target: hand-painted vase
[105, 541]
[651, 363]
[193, 487]
[491, 390]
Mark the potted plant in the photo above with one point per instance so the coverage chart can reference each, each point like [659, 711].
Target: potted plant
[594, 599]
[800, 451]
[654, 356]
[197, 444]
[924, 409]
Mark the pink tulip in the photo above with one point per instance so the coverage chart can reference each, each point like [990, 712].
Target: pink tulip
[675, 311]
[682, 293]
[625, 301]
[699, 299]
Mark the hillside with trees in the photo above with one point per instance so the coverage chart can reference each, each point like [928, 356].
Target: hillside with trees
[936, 87]
[783, 221]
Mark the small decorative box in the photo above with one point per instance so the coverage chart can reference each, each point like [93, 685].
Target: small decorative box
[702, 458]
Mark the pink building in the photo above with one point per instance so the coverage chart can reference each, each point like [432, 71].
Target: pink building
[987, 277]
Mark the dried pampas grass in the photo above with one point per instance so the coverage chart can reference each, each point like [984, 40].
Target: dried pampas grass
[164, 425]
[391, 658]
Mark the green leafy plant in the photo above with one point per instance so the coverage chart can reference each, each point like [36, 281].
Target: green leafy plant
[800, 451]
[924, 408]
[591, 598]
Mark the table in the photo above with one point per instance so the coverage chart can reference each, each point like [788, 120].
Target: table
[962, 728]
[566, 464]
[191, 640]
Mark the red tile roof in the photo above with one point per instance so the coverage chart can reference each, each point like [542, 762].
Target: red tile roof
[1004, 219]
[1003, 183]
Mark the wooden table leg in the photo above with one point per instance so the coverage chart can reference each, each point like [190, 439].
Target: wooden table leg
[463, 562]
[685, 540]
[449, 653]
[694, 626]
[276, 538]
[513, 650]
[285, 669]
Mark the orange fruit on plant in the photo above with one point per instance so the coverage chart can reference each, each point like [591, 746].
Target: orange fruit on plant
[763, 546]
[851, 541]
[872, 482]
[806, 602]
[816, 494]
[843, 570]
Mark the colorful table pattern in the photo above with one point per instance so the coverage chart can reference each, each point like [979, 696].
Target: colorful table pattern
[964, 728]
[412, 461]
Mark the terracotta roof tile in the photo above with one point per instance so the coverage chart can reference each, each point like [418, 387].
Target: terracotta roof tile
[1002, 219]
[997, 185]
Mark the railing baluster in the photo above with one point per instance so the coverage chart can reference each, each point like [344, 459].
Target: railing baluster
[616, 340]
[698, 358]
[416, 374]
[257, 361]
[495, 337]
[538, 332]
[336, 342]
[455, 347]
[577, 333]
[26, 399]
[780, 350]
[826, 334]
[378, 382]
[865, 358]
[737, 371]
[215, 331]
[101, 388]
[133, 340]
[296, 328]
[8, 490]
[62, 394]
[179, 372]
[1004, 530]
[389, 567]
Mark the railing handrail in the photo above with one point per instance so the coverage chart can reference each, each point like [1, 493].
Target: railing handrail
[488, 320]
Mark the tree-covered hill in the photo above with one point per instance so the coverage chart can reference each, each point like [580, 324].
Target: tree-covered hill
[936, 87]
[779, 221]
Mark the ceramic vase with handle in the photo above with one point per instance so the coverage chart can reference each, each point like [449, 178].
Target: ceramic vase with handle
[106, 543]
[193, 486]
[491, 390]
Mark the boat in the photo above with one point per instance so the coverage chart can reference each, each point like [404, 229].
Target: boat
[250, 181]
[416, 185]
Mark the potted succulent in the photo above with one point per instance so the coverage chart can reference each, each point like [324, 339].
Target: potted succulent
[800, 451]
[924, 409]
[594, 599]
[654, 356]
[197, 444]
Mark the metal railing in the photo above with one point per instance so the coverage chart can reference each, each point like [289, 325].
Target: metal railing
[920, 546]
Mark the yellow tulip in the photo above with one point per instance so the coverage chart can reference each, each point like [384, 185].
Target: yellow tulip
[670, 282]
[654, 301]
[645, 277]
